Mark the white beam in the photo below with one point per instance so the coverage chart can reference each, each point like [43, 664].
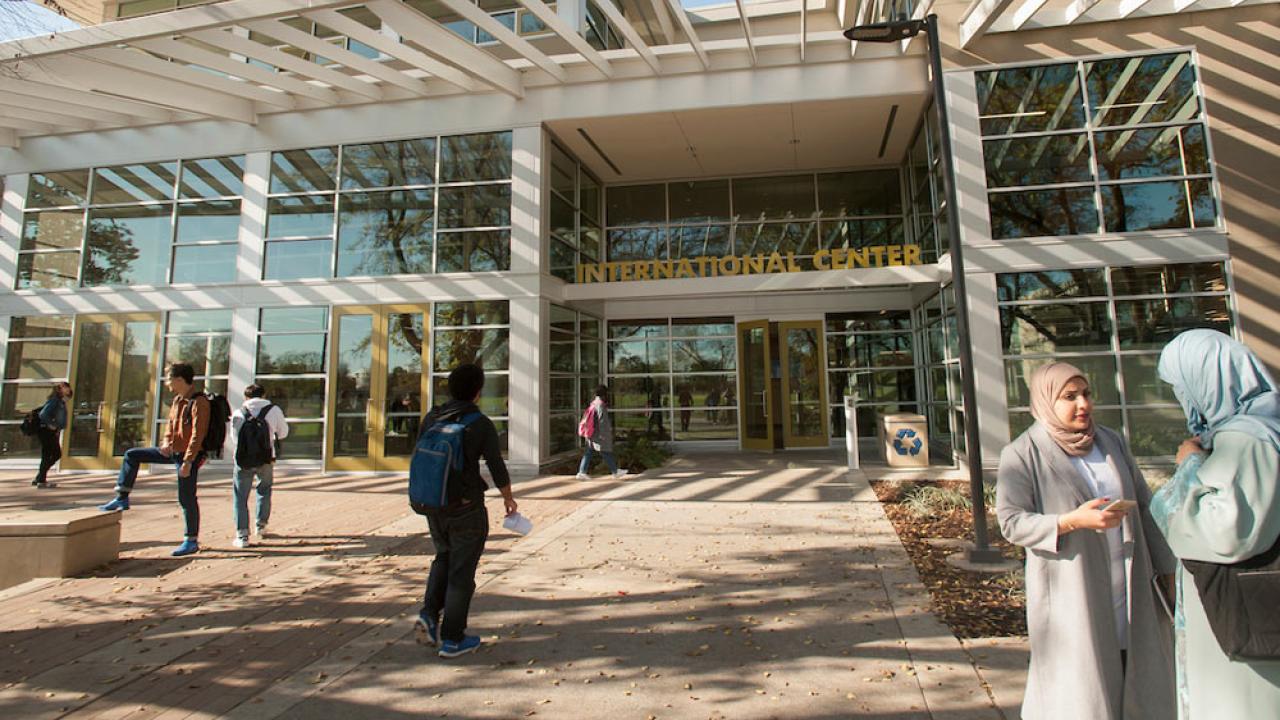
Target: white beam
[1018, 19]
[978, 19]
[166, 24]
[31, 102]
[151, 65]
[187, 52]
[746, 32]
[1077, 9]
[490, 24]
[629, 32]
[804, 27]
[548, 17]
[391, 47]
[153, 89]
[55, 118]
[860, 18]
[664, 21]
[8, 138]
[686, 25]
[276, 58]
[338, 54]
[445, 44]
[28, 125]
[58, 94]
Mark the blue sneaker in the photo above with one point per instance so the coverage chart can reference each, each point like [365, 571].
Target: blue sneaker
[120, 503]
[426, 630]
[187, 547]
[452, 648]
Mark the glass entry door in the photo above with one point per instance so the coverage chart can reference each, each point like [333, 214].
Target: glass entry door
[756, 424]
[804, 392]
[377, 387]
[113, 373]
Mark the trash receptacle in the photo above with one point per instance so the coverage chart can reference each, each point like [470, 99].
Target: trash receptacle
[906, 440]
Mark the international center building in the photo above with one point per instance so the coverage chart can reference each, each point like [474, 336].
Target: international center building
[729, 213]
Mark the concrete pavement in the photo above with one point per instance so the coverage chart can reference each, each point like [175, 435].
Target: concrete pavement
[726, 585]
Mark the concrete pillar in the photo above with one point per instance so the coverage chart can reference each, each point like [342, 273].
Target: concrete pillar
[11, 205]
[253, 218]
[988, 366]
[528, 422]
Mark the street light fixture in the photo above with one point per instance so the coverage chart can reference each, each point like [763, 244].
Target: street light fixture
[897, 31]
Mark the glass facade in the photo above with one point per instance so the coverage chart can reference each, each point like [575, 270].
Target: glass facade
[474, 332]
[1112, 145]
[38, 355]
[926, 190]
[938, 339]
[574, 215]
[1111, 322]
[797, 214]
[290, 364]
[199, 338]
[674, 379]
[408, 207]
[574, 359]
[872, 355]
[141, 224]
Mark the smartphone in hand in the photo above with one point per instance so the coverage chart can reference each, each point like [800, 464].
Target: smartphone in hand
[1120, 505]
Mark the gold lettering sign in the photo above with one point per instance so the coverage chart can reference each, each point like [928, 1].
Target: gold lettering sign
[759, 264]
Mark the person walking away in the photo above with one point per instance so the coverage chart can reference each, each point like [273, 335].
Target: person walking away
[189, 416]
[53, 419]
[258, 427]
[1221, 506]
[597, 430]
[460, 528]
[1101, 644]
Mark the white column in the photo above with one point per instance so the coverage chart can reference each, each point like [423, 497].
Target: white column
[253, 217]
[527, 381]
[526, 199]
[11, 205]
[966, 145]
[244, 349]
[988, 366]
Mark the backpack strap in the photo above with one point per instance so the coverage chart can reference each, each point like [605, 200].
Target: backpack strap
[469, 418]
[262, 414]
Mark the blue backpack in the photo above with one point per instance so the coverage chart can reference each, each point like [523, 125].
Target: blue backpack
[437, 456]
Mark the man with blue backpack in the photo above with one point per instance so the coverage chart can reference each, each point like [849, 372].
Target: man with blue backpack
[258, 426]
[445, 486]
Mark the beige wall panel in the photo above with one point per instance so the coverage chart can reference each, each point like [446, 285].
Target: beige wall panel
[1240, 70]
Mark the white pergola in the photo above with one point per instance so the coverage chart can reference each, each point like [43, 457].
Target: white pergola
[986, 17]
[209, 63]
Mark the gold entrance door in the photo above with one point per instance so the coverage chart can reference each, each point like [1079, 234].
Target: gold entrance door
[756, 415]
[377, 387]
[113, 373]
[804, 391]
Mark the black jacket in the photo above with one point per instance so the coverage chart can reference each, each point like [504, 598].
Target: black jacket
[479, 440]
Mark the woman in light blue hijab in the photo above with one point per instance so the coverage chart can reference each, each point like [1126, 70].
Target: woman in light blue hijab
[1222, 506]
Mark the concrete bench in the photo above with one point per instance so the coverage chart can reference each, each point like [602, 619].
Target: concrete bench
[56, 543]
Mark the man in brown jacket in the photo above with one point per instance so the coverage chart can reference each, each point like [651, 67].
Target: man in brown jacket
[188, 422]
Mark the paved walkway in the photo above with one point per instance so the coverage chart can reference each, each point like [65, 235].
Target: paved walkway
[721, 586]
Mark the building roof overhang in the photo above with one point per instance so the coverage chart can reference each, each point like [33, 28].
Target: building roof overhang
[986, 17]
[242, 59]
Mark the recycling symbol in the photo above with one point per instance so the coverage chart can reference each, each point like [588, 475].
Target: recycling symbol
[907, 442]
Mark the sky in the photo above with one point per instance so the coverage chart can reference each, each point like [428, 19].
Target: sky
[20, 18]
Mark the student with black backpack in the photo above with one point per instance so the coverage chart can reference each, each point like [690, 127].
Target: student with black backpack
[197, 427]
[449, 491]
[257, 427]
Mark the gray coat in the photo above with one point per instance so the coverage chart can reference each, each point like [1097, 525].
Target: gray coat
[1075, 657]
[602, 439]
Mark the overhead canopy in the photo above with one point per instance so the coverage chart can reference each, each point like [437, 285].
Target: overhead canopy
[237, 60]
[986, 17]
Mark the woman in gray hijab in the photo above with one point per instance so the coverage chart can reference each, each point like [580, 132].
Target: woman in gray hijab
[1101, 647]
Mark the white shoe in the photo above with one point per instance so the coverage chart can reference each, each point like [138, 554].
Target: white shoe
[241, 541]
[583, 476]
[620, 474]
[262, 531]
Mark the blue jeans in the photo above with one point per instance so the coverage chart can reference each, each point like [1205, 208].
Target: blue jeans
[241, 484]
[186, 485]
[608, 460]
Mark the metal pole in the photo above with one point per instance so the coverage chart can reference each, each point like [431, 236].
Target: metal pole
[981, 551]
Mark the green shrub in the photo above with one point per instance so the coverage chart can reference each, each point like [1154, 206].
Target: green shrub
[934, 499]
[637, 453]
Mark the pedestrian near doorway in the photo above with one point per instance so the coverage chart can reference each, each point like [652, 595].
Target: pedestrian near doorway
[258, 428]
[53, 418]
[459, 528]
[597, 430]
[189, 420]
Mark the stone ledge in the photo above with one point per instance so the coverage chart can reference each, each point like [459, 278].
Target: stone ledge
[56, 543]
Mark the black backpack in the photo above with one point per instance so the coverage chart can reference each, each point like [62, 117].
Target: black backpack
[219, 416]
[31, 423]
[254, 443]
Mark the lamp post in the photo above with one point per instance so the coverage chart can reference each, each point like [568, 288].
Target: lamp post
[896, 31]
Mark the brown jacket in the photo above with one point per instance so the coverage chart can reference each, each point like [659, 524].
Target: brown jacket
[188, 423]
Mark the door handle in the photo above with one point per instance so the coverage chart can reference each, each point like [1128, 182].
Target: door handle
[764, 402]
[101, 405]
[368, 415]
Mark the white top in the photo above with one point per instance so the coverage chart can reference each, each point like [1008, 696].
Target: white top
[1103, 482]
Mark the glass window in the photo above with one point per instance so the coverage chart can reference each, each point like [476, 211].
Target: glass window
[203, 221]
[1152, 152]
[703, 201]
[1159, 205]
[475, 158]
[1037, 160]
[1032, 213]
[1144, 89]
[1052, 284]
[1078, 326]
[53, 230]
[300, 216]
[385, 233]
[1169, 279]
[204, 263]
[145, 182]
[57, 189]
[466, 314]
[128, 245]
[867, 192]
[1030, 99]
[389, 164]
[774, 198]
[297, 259]
[48, 270]
[473, 251]
[475, 206]
[636, 204]
[296, 171]
[212, 177]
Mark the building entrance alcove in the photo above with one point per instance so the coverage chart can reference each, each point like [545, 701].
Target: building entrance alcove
[782, 383]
